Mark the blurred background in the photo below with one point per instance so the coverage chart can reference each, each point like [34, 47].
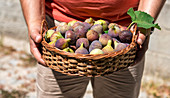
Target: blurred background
[18, 66]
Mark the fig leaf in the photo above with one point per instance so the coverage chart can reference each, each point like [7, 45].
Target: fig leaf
[142, 19]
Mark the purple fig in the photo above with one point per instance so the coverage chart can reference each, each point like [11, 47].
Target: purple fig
[63, 28]
[84, 41]
[119, 46]
[104, 39]
[114, 31]
[80, 32]
[62, 43]
[125, 36]
[115, 39]
[87, 25]
[82, 50]
[95, 45]
[96, 51]
[70, 34]
[77, 24]
[98, 28]
[92, 35]
[108, 48]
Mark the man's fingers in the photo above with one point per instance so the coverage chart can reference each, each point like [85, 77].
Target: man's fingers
[35, 51]
[37, 55]
[35, 36]
[141, 39]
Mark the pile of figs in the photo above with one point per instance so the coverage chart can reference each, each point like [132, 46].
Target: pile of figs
[89, 37]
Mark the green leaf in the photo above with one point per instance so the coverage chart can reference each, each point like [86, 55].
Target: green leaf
[142, 19]
[131, 12]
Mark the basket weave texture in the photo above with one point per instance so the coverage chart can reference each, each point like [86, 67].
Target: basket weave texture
[89, 65]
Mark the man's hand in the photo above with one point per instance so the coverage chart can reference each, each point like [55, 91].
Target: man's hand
[142, 41]
[35, 39]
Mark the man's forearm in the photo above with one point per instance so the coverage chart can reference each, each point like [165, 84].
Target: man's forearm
[151, 7]
[34, 11]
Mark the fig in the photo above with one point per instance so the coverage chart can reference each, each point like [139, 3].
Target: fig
[62, 43]
[68, 50]
[123, 28]
[114, 31]
[125, 36]
[98, 28]
[77, 24]
[90, 21]
[108, 48]
[87, 25]
[104, 39]
[92, 35]
[112, 24]
[55, 36]
[84, 41]
[48, 34]
[82, 50]
[95, 45]
[119, 46]
[96, 51]
[70, 34]
[52, 43]
[103, 23]
[115, 39]
[71, 23]
[80, 32]
[63, 28]
[62, 24]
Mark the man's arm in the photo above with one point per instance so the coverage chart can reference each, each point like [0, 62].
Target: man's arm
[152, 7]
[34, 12]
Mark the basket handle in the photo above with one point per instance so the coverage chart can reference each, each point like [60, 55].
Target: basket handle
[44, 26]
[134, 28]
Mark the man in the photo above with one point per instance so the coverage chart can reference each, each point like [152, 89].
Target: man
[52, 84]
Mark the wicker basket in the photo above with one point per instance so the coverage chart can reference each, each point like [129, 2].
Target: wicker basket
[87, 64]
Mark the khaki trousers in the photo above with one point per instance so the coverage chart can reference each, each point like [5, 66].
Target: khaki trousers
[122, 84]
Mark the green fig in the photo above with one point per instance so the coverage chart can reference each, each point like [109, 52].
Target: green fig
[52, 43]
[62, 43]
[71, 23]
[48, 34]
[68, 50]
[108, 48]
[82, 50]
[103, 23]
[90, 21]
[96, 51]
[55, 36]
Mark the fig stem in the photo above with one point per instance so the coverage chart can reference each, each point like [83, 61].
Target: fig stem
[130, 25]
[109, 43]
